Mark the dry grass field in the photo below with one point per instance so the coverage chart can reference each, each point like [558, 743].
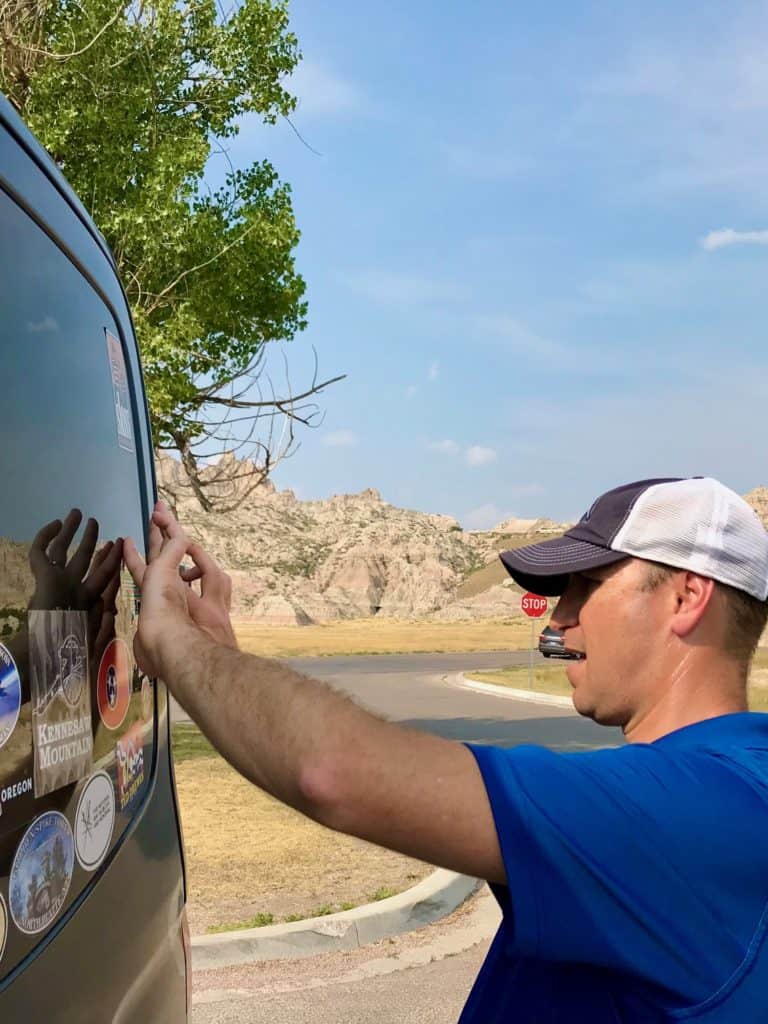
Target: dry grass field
[551, 678]
[251, 859]
[384, 636]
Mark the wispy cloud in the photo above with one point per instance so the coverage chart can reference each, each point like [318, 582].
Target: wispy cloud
[727, 236]
[47, 325]
[321, 91]
[340, 439]
[446, 447]
[472, 455]
[477, 455]
[411, 391]
[482, 518]
[434, 371]
[393, 288]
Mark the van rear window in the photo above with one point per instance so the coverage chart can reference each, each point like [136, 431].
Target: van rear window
[77, 718]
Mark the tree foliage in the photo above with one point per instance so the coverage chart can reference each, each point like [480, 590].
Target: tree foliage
[131, 99]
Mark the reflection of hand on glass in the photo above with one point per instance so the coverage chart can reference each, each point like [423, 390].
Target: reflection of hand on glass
[73, 582]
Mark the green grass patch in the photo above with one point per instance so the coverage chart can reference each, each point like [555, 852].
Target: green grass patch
[259, 921]
[324, 910]
[382, 893]
[189, 744]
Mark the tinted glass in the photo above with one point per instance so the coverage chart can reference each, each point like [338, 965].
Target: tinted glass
[76, 717]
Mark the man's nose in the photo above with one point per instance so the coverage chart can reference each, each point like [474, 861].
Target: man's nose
[566, 611]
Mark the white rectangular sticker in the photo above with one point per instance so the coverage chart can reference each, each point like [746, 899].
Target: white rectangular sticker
[62, 734]
[120, 392]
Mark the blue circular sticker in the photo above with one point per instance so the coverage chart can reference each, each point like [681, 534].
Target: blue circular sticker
[10, 694]
[41, 872]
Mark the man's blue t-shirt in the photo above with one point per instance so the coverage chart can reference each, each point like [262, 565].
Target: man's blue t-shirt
[637, 880]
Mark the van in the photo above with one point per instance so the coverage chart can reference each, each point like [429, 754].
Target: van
[92, 893]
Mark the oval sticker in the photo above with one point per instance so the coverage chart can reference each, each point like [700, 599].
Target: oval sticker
[113, 687]
[10, 694]
[3, 926]
[94, 821]
[41, 873]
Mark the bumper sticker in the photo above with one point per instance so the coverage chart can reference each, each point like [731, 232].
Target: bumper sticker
[10, 694]
[113, 687]
[120, 393]
[129, 752]
[41, 873]
[61, 706]
[94, 821]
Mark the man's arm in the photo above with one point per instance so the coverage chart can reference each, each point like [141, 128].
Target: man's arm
[303, 743]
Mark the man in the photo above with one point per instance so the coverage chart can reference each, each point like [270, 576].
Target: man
[633, 881]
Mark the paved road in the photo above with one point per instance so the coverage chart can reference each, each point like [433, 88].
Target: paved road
[422, 978]
[420, 690]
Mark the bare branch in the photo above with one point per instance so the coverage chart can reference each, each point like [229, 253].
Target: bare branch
[200, 266]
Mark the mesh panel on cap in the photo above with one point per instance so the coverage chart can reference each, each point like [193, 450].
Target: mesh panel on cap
[702, 526]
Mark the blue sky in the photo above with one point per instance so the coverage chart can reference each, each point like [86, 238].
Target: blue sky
[536, 240]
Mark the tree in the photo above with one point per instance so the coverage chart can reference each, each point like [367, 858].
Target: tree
[131, 99]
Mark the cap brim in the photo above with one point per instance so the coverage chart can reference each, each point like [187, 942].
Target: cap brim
[544, 568]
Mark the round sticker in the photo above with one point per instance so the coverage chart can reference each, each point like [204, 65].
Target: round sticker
[146, 699]
[3, 926]
[73, 669]
[94, 821]
[41, 873]
[113, 687]
[10, 694]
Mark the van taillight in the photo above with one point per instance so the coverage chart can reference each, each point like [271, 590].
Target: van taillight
[187, 944]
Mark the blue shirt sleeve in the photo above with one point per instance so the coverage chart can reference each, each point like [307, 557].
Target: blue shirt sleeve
[629, 859]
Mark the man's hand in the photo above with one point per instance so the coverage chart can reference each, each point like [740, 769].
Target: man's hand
[210, 608]
[169, 606]
[60, 579]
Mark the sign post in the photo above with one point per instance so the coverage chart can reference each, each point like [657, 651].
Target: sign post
[534, 606]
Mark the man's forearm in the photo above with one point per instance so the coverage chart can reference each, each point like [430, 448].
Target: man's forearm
[319, 752]
[275, 726]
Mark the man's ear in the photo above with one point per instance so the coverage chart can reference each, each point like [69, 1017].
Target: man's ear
[693, 595]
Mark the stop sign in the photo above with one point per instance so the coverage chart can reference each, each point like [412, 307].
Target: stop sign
[534, 605]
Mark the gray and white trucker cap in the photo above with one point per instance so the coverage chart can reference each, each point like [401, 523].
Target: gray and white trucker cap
[696, 524]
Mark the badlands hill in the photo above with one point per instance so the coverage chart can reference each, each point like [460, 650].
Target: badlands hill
[355, 555]
[352, 556]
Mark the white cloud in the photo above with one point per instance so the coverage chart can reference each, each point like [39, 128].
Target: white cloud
[517, 337]
[340, 439]
[320, 91]
[392, 288]
[482, 518]
[410, 391]
[476, 455]
[727, 236]
[45, 326]
[445, 447]
[433, 371]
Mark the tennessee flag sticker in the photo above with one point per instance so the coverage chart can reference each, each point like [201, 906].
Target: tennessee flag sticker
[120, 394]
[113, 687]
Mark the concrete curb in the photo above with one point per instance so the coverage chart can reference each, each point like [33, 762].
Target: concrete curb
[511, 694]
[435, 897]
